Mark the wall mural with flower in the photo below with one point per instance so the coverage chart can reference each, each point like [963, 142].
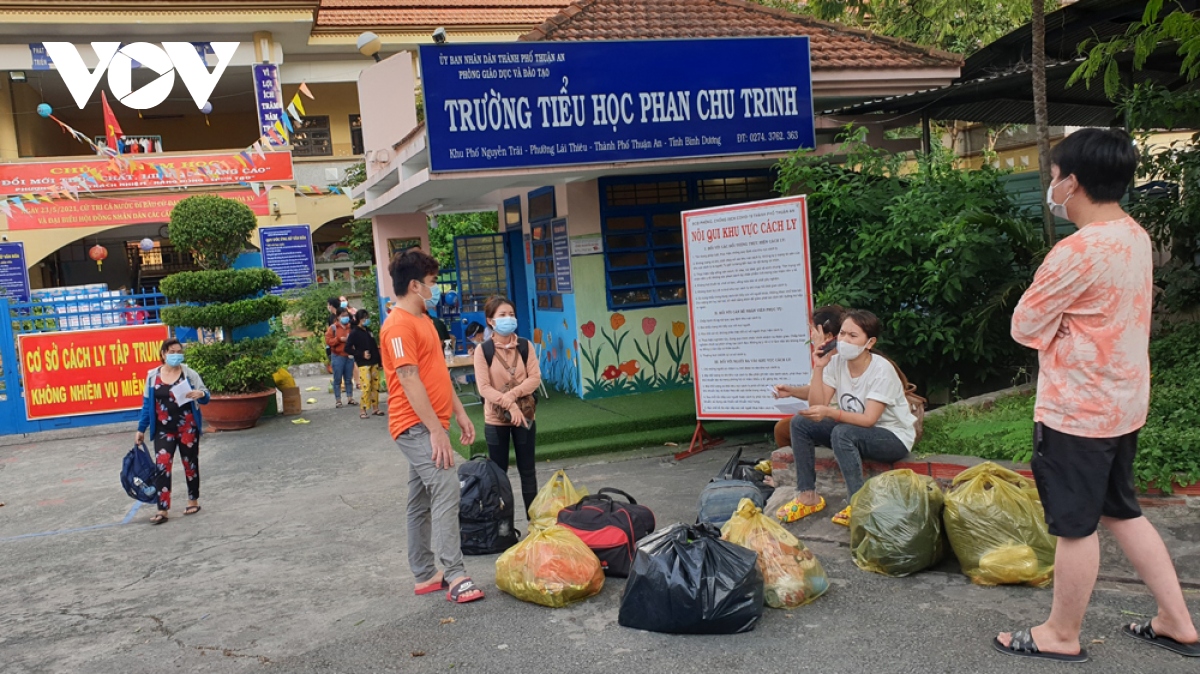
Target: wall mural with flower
[631, 351]
[555, 336]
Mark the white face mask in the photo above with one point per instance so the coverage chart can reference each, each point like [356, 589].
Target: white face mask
[1056, 209]
[850, 351]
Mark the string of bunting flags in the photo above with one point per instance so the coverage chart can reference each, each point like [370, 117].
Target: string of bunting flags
[71, 188]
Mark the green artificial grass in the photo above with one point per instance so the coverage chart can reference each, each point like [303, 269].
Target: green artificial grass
[570, 427]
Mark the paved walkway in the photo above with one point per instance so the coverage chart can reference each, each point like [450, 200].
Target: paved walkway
[297, 564]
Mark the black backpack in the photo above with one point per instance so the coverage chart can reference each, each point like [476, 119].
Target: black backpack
[139, 474]
[610, 528]
[485, 508]
[489, 350]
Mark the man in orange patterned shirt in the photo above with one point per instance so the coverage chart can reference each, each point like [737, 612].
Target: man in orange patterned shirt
[1087, 313]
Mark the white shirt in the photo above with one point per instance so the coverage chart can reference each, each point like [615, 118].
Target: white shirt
[879, 382]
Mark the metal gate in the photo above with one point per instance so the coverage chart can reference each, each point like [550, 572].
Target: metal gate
[62, 315]
[482, 270]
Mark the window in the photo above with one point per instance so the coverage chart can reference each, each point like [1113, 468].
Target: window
[311, 138]
[356, 141]
[512, 214]
[643, 232]
[542, 210]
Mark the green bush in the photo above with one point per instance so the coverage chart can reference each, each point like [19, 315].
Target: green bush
[309, 304]
[1168, 445]
[247, 366]
[225, 315]
[215, 229]
[226, 285]
[939, 254]
[291, 351]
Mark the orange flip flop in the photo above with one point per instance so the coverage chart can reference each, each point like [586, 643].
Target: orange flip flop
[794, 510]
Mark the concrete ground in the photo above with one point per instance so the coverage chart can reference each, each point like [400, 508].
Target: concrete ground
[297, 564]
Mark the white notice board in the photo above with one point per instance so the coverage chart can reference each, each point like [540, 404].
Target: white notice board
[749, 300]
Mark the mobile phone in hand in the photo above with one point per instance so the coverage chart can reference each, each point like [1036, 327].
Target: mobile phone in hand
[827, 347]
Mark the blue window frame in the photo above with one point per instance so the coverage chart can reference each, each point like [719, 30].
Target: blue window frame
[542, 210]
[512, 214]
[643, 233]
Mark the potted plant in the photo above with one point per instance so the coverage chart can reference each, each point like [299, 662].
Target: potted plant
[239, 374]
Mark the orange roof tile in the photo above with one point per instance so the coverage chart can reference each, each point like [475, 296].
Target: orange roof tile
[341, 13]
[833, 46]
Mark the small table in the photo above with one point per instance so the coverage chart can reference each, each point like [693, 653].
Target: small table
[459, 366]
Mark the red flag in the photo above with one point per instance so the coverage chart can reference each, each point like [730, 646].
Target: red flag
[112, 129]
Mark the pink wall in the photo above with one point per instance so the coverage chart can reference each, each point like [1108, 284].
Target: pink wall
[387, 100]
[402, 226]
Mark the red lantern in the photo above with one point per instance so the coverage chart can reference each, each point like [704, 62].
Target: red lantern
[98, 253]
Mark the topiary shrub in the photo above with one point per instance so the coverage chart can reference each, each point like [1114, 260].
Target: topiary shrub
[216, 230]
[213, 228]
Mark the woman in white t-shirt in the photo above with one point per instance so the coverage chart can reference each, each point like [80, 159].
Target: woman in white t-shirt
[871, 419]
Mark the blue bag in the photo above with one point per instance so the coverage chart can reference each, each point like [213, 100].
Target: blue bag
[139, 474]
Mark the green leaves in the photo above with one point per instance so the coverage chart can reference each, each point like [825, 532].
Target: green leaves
[214, 228]
[247, 366]
[225, 316]
[218, 286]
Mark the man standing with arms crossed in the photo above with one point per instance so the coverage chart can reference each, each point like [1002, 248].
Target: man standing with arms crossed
[1088, 314]
[420, 401]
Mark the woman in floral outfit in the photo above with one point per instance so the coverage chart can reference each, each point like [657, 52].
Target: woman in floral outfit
[173, 426]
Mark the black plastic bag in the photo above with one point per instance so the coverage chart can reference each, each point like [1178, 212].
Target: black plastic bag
[686, 580]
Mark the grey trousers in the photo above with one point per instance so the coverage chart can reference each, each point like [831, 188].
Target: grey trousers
[850, 444]
[433, 537]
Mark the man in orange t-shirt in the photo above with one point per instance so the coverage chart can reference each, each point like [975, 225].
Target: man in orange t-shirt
[421, 399]
[1087, 313]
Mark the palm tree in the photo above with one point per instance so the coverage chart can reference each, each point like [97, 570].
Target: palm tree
[1040, 112]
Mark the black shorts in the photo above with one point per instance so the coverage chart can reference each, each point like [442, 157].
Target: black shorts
[1082, 479]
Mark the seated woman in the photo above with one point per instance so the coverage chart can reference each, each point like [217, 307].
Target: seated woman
[872, 419]
[821, 331]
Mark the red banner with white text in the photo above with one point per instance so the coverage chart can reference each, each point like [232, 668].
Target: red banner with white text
[111, 211]
[146, 172]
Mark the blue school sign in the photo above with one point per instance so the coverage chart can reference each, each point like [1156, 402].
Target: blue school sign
[520, 105]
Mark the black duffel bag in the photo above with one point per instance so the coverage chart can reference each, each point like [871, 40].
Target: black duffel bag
[610, 528]
[686, 580]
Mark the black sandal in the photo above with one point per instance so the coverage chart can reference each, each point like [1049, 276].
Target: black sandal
[1022, 646]
[191, 510]
[464, 592]
[1145, 632]
[159, 519]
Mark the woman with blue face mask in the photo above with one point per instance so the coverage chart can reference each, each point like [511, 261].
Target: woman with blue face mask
[363, 348]
[343, 365]
[508, 376]
[173, 420]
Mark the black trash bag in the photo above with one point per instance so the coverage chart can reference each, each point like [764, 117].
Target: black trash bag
[686, 580]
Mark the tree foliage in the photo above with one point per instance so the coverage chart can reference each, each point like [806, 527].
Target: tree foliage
[361, 241]
[940, 255]
[959, 26]
[451, 225]
[215, 229]
[225, 285]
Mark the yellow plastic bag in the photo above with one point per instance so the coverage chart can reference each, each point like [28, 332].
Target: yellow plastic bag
[557, 494]
[896, 524]
[284, 379]
[792, 576]
[551, 567]
[997, 528]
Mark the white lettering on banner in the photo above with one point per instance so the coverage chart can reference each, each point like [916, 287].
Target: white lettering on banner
[770, 101]
[181, 57]
[492, 112]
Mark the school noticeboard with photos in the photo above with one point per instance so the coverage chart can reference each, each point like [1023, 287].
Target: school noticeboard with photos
[749, 301]
[526, 104]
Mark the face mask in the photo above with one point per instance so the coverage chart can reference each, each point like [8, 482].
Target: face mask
[174, 359]
[344, 320]
[506, 325]
[850, 351]
[345, 304]
[366, 322]
[1056, 209]
[435, 296]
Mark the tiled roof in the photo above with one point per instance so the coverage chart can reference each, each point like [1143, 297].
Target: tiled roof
[833, 46]
[436, 12]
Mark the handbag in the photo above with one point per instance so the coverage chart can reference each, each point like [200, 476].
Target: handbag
[526, 403]
[139, 474]
[916, 405]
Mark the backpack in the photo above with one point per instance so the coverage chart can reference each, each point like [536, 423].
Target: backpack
[610, 528]
[485, 508]
[489, 351]
[139, 474]
[736, 481]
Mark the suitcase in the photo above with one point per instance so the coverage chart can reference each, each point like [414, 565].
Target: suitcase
[610, 528]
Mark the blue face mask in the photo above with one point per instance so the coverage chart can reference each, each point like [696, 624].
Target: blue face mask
[435, 296]
[345, 304]
[506, 325]
[174, 359]
[344, 320]
[366, 322]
